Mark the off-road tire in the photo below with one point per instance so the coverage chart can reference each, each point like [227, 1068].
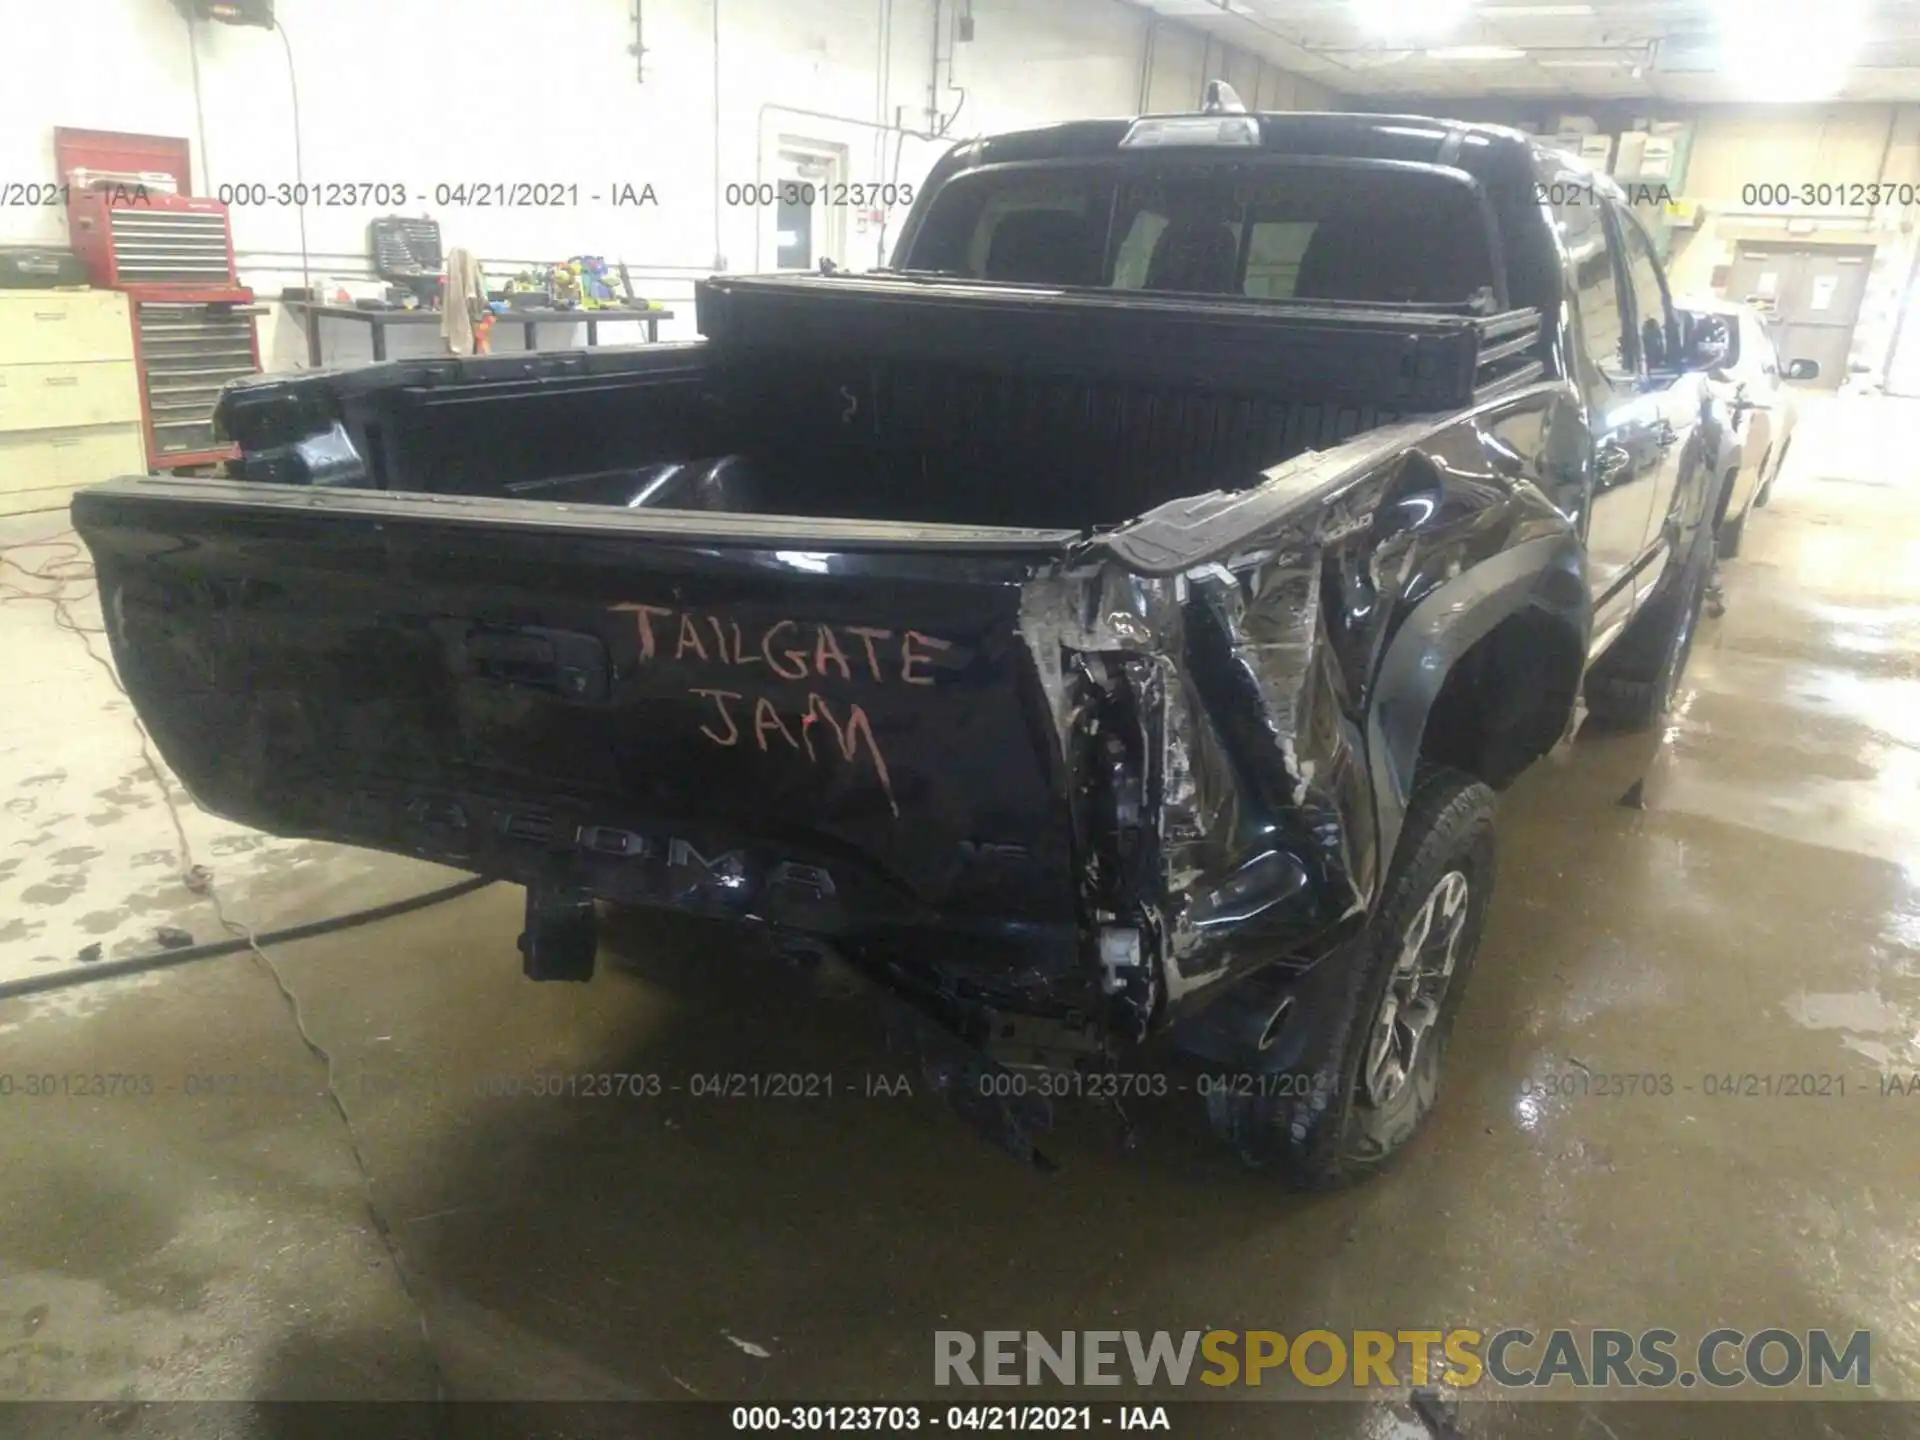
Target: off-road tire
[1335, 1134]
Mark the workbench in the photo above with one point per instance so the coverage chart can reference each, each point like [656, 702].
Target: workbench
[379, 321]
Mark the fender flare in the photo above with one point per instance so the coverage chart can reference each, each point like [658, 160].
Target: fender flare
[1547, 573]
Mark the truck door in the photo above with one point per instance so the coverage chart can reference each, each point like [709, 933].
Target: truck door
[1674, 400]
[1624, 438]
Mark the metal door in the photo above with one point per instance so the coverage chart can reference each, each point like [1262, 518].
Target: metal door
[806, 221]
[1810, 295]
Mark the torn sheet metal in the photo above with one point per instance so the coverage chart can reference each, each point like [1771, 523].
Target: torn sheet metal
[1218, 789]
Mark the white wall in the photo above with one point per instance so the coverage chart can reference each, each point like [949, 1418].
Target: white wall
[1735, 146]
[426, 92]
[1738, 146]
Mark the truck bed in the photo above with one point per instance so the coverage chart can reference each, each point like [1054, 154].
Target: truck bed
[894, 398]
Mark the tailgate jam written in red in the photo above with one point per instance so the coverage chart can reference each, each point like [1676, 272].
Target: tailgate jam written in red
[802, 658]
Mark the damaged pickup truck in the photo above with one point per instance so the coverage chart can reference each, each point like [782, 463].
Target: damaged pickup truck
[1108, 627]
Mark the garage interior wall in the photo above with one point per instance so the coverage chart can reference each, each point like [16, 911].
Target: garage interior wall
[425, 93]
[1737, 146]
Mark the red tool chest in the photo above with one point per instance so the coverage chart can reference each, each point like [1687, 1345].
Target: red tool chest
[171, 254]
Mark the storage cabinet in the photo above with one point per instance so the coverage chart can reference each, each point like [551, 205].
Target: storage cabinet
[40, 469]
[69, 396]
[48, 397]
[43, 327]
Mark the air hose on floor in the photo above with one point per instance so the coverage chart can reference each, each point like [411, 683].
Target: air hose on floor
[67, 566]
[161, 959]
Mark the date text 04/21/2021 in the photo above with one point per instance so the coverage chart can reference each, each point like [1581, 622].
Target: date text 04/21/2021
[463, 194]
[965, 1419]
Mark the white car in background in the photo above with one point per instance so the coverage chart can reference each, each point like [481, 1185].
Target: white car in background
[1756, 407]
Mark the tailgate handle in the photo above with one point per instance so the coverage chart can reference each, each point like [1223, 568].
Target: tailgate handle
[562, 662]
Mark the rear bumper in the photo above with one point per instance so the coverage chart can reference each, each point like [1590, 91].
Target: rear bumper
[784, 888]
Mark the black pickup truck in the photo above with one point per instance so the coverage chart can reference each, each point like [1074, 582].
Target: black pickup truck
[1107, 627]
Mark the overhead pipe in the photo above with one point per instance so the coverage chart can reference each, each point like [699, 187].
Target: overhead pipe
[883, 21]
[1913, 264]
[1886, 146]
[1148, 53]
[933, 70]
[719, 258]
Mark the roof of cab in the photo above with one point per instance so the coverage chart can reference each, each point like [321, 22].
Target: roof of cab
[1357, 134]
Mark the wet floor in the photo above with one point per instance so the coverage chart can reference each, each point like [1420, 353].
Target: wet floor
[1694, 914]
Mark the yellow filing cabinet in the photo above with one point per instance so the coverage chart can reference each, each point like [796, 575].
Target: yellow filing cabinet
[69, 396]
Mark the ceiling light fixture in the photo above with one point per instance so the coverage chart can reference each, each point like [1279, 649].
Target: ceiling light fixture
[1779, 50]
[1410, 19]
[1581, 64]
[1475, 52]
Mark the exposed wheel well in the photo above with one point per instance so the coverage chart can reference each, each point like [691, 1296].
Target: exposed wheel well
[1507, 701]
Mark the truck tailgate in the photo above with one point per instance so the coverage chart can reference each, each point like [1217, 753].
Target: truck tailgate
[830, 724]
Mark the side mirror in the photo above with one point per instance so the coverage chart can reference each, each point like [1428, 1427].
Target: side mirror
[1710, 343]
[1803, 370]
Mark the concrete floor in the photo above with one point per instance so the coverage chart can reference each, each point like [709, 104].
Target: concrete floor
[1758, 911]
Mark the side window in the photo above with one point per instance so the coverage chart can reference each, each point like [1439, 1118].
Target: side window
[1596, 288]
[1658, 332]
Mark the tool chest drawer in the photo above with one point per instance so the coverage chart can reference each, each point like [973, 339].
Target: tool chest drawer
[187, 353]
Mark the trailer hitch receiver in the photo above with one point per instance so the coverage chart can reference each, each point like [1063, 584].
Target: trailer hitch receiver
[562, 932]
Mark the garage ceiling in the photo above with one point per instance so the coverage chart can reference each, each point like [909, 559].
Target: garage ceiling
[1599, 48]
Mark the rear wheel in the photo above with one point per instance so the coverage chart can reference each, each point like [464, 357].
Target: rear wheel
[1378, 1073]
